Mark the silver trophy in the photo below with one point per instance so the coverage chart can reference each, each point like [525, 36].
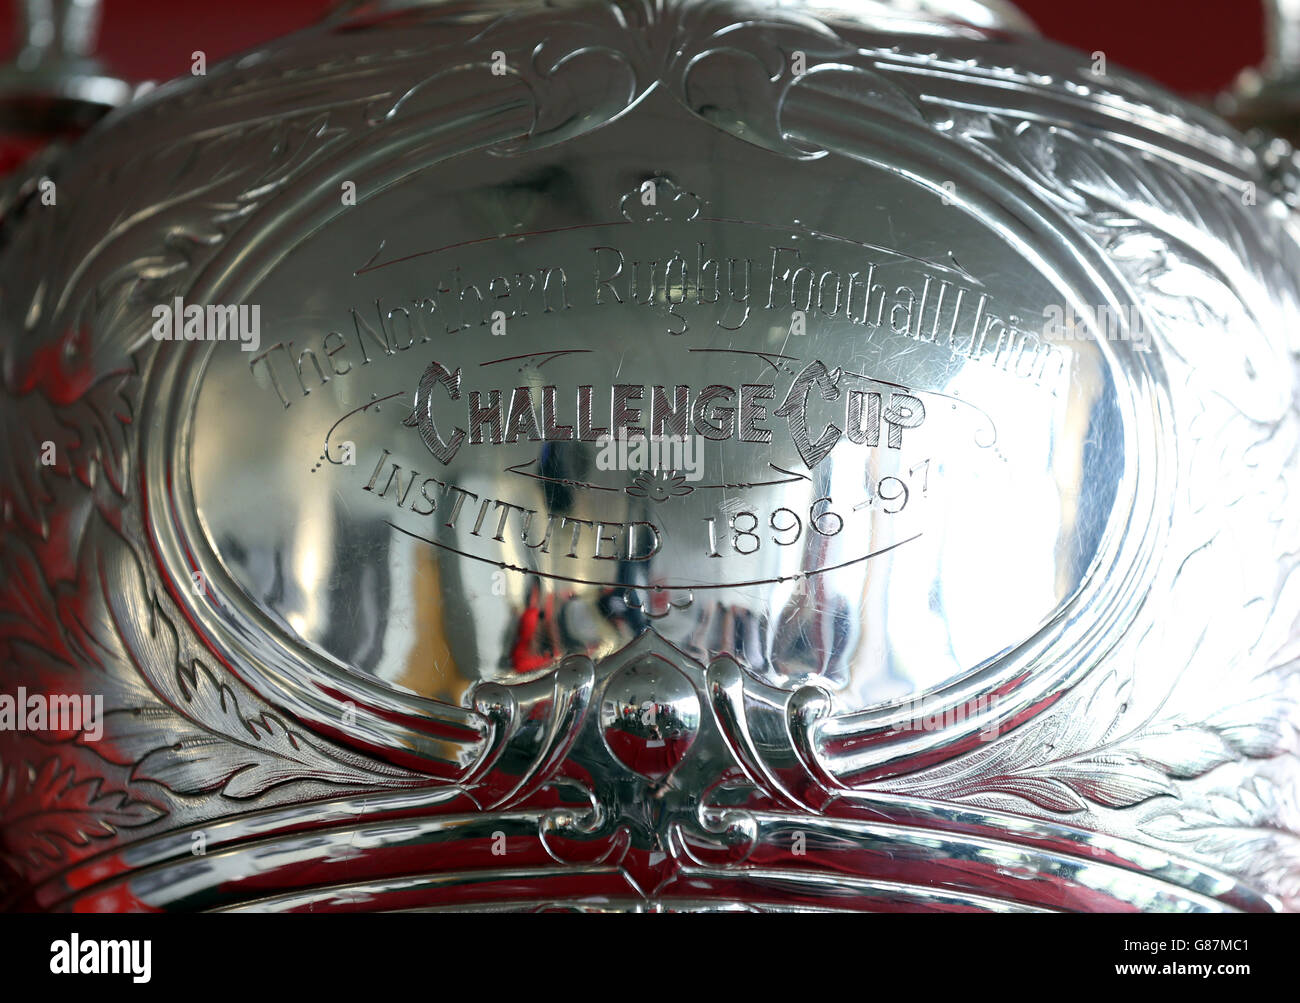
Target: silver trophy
[652, 455]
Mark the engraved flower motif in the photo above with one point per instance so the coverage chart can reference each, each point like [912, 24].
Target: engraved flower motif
[658, 486]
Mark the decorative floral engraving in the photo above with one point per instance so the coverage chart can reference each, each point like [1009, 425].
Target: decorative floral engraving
[1250, 829]
[1080, 752]
[1121, 752]
[47, 808]
[658, 487]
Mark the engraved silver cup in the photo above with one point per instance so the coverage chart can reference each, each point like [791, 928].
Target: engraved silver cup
[646, 456]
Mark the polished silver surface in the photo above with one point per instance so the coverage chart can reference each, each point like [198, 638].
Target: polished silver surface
[943, 556]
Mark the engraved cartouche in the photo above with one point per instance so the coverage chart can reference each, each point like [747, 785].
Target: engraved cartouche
[647, 456]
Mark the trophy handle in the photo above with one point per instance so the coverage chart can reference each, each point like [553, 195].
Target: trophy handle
[55, 84]
[1267, 97]
[1282, 39]
[57, 32]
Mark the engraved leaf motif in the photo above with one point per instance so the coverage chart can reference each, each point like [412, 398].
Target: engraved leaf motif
[1204, 267]
[86, 432]
[240, 755]
[46, 809]
[61, 383]
[1215, 281]
[1076, 755]
[1184, 752]
[201, 737]
[28, 609]
[1045, 792]
[1068, 786]
[1115, 782]
[209, 733]
[1255, 728]
[1250, 830]
[1125, 771]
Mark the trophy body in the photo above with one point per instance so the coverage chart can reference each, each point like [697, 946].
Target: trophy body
[670, 456]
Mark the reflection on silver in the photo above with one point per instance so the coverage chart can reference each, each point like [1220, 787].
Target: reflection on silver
[961, 607]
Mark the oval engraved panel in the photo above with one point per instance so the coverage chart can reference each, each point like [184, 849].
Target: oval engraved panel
[513, 408]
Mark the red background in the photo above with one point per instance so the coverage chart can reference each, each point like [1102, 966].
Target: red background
[1194, 46]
